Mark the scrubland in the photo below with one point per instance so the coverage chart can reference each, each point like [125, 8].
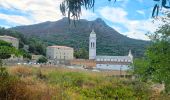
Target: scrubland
[31, 83]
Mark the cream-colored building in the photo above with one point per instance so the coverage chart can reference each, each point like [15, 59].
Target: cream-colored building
[60, 52]
[12, 40]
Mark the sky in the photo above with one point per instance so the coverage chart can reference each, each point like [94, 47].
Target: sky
[131, 18]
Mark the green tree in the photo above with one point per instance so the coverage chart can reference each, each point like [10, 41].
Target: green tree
[156, 64]
[42, 60]
[6, 50]
[82, 53]
[141, 69]
[158, 55]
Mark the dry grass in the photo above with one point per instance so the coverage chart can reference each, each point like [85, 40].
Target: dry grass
[20, 71]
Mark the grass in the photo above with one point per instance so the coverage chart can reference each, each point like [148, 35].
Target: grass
[30, 83]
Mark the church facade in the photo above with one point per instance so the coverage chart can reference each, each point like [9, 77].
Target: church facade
[108, 62]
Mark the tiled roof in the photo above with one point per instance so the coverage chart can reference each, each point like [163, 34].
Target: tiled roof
[56, 46]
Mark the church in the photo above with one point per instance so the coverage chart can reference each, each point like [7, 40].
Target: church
[108, 62]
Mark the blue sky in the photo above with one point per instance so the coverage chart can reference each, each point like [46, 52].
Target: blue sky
[129, 17]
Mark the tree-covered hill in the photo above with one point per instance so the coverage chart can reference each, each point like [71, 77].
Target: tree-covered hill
[109, 41]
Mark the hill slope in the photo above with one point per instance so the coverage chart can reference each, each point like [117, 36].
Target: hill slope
[109, 41]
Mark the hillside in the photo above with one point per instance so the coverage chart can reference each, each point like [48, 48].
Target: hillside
[109, 41]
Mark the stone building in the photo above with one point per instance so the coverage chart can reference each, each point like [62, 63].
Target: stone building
[12, 40]
[60, 53]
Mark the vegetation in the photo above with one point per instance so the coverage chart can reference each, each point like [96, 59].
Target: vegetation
[42, 60]
[81, 53]
[6, 50]
[62, 84]
[155, 66]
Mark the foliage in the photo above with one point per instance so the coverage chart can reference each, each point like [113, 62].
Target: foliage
[156, 65]
[157, 7]
[74, 7]
[82, 53]
[97, 87]
[42, 60]
[36, 46]
[141, 69]
[159, 59]
[6, 50]
[3, 72]
[3, 43]
[25, 54]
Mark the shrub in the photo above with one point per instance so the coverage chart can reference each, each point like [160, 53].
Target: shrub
[3, 72]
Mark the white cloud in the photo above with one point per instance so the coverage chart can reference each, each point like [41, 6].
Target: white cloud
[15, 19]
[87, 14]
[136, 28]
[117, 15]
[37, 10]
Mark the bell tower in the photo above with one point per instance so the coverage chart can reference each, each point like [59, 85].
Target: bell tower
[130, 55]
[92, 45]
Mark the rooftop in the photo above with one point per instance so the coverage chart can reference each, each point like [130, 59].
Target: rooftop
[114, 57]
[56, 46]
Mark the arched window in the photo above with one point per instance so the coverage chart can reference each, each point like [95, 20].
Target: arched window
[91, 44]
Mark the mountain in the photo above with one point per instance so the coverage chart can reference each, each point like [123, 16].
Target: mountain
[109, 41]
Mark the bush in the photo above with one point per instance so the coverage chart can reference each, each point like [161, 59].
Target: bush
[3, 72]
[42, 60]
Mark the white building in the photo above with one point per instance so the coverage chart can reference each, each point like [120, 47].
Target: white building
[59, 53]
[12, 40]
[92, 45]
[108, 62]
